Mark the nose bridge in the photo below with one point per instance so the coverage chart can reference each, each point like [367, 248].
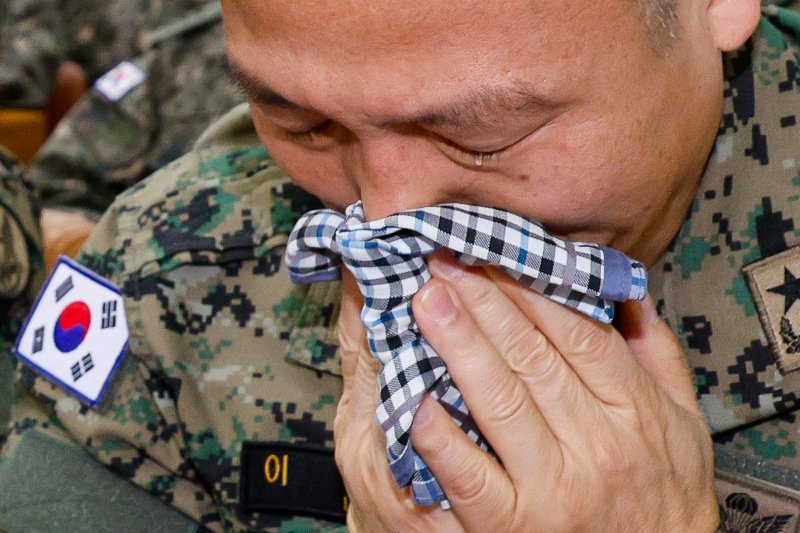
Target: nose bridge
[395, 172]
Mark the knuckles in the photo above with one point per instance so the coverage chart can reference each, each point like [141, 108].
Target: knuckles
[585, 339]
[535, 359]
[511, 401]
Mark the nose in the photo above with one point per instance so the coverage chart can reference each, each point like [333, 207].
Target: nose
[395, 171]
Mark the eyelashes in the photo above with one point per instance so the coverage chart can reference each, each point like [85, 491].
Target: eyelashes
[311, 135]
[320, 135]
[473, 158]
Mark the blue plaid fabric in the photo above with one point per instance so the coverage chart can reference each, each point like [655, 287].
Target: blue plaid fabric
[387, 259]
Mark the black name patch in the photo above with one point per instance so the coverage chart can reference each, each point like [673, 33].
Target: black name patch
[292, 478]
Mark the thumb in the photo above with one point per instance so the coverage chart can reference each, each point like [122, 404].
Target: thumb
[657, 349]
[351, 332]
[359, 368]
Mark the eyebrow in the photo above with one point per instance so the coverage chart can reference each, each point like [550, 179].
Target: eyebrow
[257, 91]
[487, 106]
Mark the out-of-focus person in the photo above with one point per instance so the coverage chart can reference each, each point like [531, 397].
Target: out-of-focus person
[37, 36]
[21, 264]
[140, 115]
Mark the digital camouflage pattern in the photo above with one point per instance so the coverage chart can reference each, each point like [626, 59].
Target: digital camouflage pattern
[21, 264]
[747, 208]
[742, 213]
[101, 147]
[224, 349]
[22, 267]
[37, 35]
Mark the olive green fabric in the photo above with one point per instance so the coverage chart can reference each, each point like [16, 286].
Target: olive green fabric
[73, 492]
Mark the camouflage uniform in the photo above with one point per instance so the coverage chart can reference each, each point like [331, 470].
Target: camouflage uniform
[103, 145]
[225, 350]
[37, 35]
[216, 327]
[747, 209]
[21, 265]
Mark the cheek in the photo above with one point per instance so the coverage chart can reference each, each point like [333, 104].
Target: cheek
[580, 177]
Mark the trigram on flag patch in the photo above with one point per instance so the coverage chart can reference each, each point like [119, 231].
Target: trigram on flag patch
[76, 334]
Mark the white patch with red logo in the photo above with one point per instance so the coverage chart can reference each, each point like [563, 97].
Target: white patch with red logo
[77, 333]
[120, 80]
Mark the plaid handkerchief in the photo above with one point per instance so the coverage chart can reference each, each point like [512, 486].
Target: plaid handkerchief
[387, 259]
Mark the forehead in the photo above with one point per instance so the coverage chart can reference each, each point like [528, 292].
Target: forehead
[409, 47]
[347, 26]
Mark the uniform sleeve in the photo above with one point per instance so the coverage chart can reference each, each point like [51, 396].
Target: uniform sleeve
[59, 447]
[21, 265]
[100, 148]
[138, 432]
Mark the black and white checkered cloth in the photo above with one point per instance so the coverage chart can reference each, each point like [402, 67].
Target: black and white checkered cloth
[387, 259]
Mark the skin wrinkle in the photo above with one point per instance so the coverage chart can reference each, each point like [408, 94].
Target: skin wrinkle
[489, 106]
[595, 154]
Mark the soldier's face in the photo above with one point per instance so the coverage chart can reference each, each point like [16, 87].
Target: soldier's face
[562, 111]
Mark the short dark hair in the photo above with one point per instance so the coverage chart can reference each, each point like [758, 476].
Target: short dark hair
[661, 20]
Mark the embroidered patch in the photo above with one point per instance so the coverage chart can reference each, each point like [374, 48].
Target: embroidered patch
[294, 478]
[120, 80]
[775, 284]
[76, 333]
[748, 505]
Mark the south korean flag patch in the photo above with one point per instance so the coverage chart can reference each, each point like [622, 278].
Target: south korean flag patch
[76, 334]
[120, 80]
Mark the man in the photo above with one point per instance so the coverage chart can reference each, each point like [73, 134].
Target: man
[597, 118]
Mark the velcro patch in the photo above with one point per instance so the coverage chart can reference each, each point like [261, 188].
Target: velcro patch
[750, 504]
[775, 284]
[292, 478]
[76, 334]
[120, 80]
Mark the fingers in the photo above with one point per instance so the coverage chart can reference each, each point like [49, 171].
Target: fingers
[351, 332]
[510, 331]
[359, 371]
[377, 504]
[595, 351]
[554, 388]
[476, 486]
[658, 351]
[499, 402]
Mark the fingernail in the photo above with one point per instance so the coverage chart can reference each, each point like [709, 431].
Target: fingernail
[445, 266]
[649, 311]
[438, 302]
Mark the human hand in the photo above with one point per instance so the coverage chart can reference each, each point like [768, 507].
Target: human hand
[376, 503]
[596, 430]
[63, 232]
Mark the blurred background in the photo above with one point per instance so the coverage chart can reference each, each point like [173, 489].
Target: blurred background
[94, 96]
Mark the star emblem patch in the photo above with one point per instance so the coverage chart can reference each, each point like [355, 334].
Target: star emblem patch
[76, 334]
[775, 285]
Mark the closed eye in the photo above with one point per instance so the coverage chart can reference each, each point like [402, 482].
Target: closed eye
[474, 158]
[312, 135]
